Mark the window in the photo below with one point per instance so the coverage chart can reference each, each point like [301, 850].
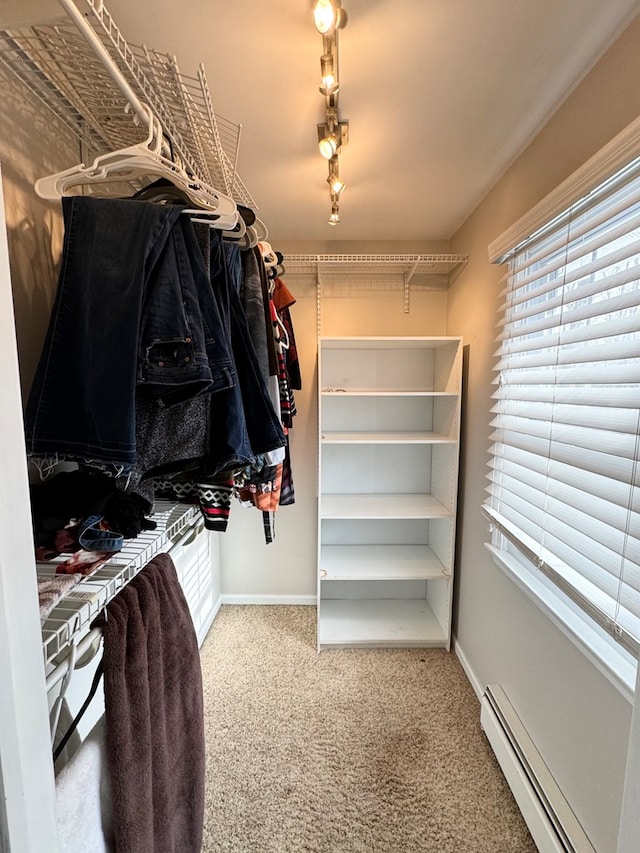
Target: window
[564, 477]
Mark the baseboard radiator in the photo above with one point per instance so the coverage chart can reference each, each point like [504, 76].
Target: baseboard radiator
[551, 821]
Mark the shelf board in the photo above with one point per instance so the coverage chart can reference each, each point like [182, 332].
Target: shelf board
[371, 269]
[382, 506]
[379, 562]
[378, 622]
[396, 392]
[385, 438]
[387, 342]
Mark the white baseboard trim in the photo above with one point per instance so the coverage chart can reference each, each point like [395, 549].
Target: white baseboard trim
[309, 600]
[468, 671]
[204, 629]
[549, 817]
[216, 607]
[553, 825]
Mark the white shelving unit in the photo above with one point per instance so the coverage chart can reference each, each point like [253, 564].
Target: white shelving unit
[389, 426]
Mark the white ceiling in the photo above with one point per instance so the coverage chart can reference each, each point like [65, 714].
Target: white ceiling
[441, 96]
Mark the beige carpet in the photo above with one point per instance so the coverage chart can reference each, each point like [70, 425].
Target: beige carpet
[357, 751]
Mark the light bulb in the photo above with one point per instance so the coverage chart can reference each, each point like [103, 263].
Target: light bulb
[329, 83]
[328, 146]
[329, 16]
[334, 219]
[325, 15]
[336, 185]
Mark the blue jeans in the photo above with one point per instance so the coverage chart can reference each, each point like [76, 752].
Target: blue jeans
[253, 299]
[243, 423]
[133, 309]
[91, 537]
[184, 350]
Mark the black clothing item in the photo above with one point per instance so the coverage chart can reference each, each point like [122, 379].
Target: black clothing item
[80, 494]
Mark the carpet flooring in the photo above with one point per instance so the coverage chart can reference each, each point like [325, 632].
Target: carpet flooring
[354, 751]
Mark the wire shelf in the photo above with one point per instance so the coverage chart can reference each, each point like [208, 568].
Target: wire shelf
[424, 264]
[214, 140]
[87, 92]
[376, 269]
[73, 614]
[91, 110]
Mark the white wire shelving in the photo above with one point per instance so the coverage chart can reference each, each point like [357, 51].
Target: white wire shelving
[72, 616]
[374, 269]
[345, 275]
[85, 72]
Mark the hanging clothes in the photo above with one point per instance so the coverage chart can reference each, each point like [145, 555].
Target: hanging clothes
[172, 356]
[127, 315]
[283, 299]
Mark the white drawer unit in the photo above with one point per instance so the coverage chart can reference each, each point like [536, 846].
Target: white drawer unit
[389, 426]
[195, 556]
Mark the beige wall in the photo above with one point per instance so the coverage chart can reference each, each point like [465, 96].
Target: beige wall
[31, 146]
[578, 720]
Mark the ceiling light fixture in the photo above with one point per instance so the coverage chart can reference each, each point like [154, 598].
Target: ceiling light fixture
[336, 184]
[329, 16]
[328, 142]
[333, 134]
[329, 83]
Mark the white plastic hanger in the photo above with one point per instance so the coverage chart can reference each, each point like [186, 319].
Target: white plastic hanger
[226, 224]
[238, 232]
[261, 229]
[284, 336]
[245, 235]
[142, 159]
[268, 255]
[251, 238]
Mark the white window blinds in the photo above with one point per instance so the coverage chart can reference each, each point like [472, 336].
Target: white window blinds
[564, 479]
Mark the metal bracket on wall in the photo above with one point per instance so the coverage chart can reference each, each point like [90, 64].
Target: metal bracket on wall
[318, 301]
[408, 275]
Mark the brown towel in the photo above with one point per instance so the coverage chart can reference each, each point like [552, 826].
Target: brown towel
[154, 718]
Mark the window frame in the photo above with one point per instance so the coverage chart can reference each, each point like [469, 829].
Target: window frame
[616, 663]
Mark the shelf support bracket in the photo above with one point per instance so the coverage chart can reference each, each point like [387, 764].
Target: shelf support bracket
[318, 298]
[408, 275]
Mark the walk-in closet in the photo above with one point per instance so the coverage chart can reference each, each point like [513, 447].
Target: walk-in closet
[320, 426]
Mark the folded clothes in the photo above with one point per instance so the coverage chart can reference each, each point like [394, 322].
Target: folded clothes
[52, 590]
[95, 535]
[83, 562]
[79, 495]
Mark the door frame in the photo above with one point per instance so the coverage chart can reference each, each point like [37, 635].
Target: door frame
[27, 785]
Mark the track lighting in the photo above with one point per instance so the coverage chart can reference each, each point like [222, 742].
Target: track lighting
[333, 134]
[336, 184]
[329, 83]
[329, 16]
[328, 144]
